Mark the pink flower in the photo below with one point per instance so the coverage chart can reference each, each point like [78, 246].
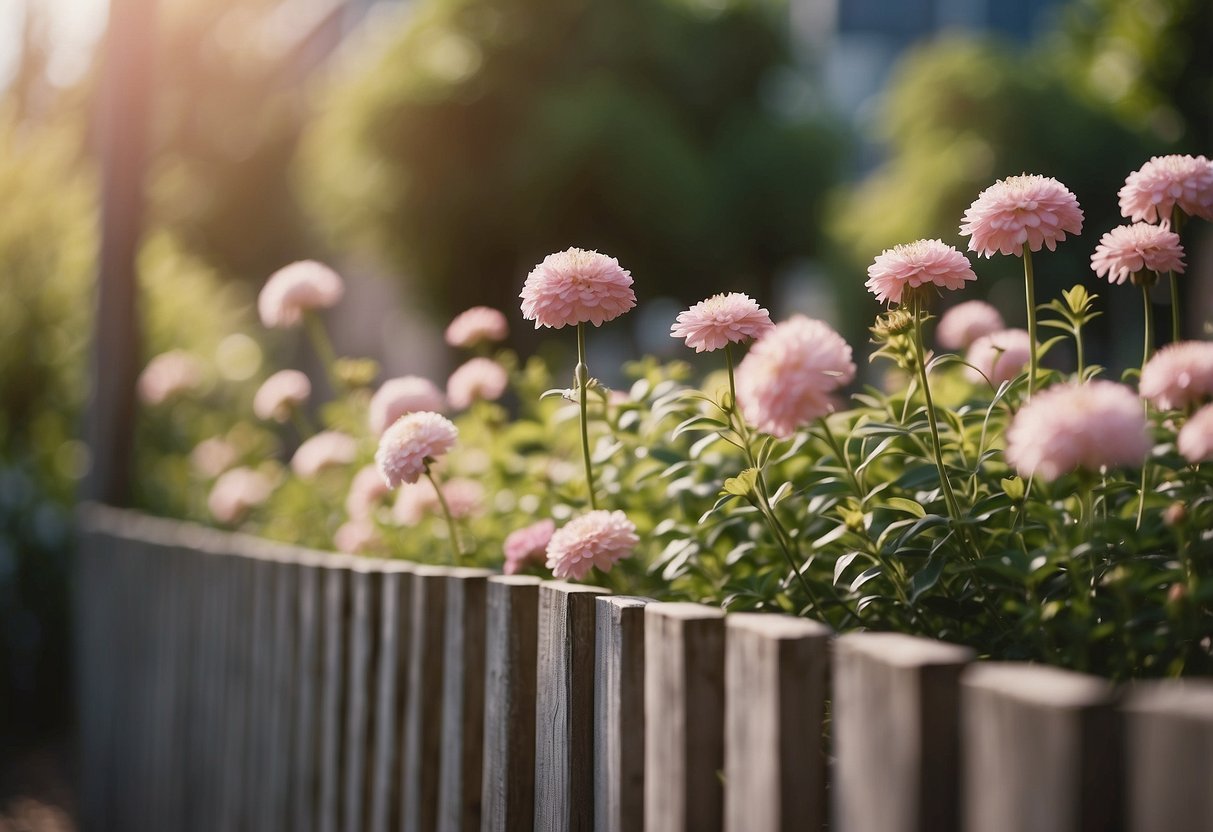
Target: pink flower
[1071, 426]
[1023, 210]
[720, 320]
[1128, 249]
[324, 450]
[211, 457]
[398, 396]
[480, 323]
[527, 545]
[280, 394]
[1151, 193]
[295, 289]
[357, 537]
[917, 264]
[965, 322]
[787, 378]
[167, 375]
[366, 494]
[999, 356]
[599, 538]
[1179, 375]
[1196, 437]
[480, 378]
[236, 491]
[411, 443]
[414, 501]
[576, 286]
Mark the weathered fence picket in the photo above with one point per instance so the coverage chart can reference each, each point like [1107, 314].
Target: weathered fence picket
[231, 683]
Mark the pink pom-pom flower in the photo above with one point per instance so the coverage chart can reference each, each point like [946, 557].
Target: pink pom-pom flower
[411, 443]
[296, 289]
[599, 538]
[720, 320]
[576, 286]
[1179, 375]
[211, 457]
[1195, 440]
[168, 375]
[965, 322]
[1073, 426]
[280, 394]
[480, 378]
[999, 356]
[1128, 249]
[477, 325]
[789, 376]
[398, 396]
[358, 537]
[326, 449]
[366, 493]
[1151, 194]
[527, 545]
[921, 263]
[1019, 211]
[236, 491]
[414, 501]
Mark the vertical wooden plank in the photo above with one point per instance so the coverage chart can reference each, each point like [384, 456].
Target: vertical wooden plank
[335, 623]
[462, 739]
[512, 631]
[564, 703]
[423, 709]
[391, 685]
[896, 706]
[215, 669]
[1169, 756]
[308, 684]
[238, 592]
[282, 694]
[363, 647]
[1041, 750]
[776, 668]
[255, 782]
[619, 714]
[684, 717]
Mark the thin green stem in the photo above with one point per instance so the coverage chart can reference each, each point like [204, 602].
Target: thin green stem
[1148, 340]
[1175, 316]
[319, 337]
[1078, 348]
[728, 357]
[583, 383]
[456, 546]
[1030, 291]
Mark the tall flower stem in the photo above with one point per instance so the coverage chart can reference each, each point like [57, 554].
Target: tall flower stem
[1148, 345]
[1030, 292]
[319, 337]
[1176, 318]
[456, 546]
[945, 483]
[583, 384]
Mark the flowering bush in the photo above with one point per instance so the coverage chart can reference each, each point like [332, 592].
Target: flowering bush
[1035, 513]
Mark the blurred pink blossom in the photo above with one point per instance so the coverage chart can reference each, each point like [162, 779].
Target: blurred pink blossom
[408, 446]
[236, 491]
[366, 493]
[358, 537]
[576, 286]
[999, 356]
[599, 538]
[398, 396]
[1196, 437]
[1179, 375]
[295, 289]
[414, 501]
[722, 319]
[280, 394]
[921, 263]
[168, 375]
[1151, 193]
[965, 322]
[787, 378]
[324, 450]
[1018, 211]
[476, 325]
[527, 545]
[1089, 426]
[1128, 249]
[480, 378]
[211, 457]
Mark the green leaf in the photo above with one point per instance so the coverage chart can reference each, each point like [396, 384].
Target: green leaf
[743, 485]
[698, 423]
[903, 504]
[842, 563]
[926, 578]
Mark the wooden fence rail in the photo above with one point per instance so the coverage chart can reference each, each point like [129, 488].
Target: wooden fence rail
[228, 683]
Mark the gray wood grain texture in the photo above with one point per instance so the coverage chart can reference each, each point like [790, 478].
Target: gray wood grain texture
[308, 680]
[281, 717]
[462, 740]
[1040, 750]
[684, 717]
[564, 708]
[391, 686]
[776, 670]
[423, 709]
[512, 629]
[1168, 728]
[362, 645]
[895, 713]
[619, 714]
[335, 624]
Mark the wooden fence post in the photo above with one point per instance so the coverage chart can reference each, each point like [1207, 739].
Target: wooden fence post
[895, 716]
[1169, 756]
[391, 685]
[335, 618]
[362, 655]
[619, 714]
[423, 710]
[776, 671]
[1041, 750]
[684, 717]
[564, 708]
[512, 630]
[462, 735]
[307, 684]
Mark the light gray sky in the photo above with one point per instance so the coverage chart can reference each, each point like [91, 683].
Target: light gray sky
[75, 26]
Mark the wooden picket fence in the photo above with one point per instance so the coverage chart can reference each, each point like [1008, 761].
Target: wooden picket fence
[227, 683]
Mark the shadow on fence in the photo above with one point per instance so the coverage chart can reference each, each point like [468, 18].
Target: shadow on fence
[228, 683]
